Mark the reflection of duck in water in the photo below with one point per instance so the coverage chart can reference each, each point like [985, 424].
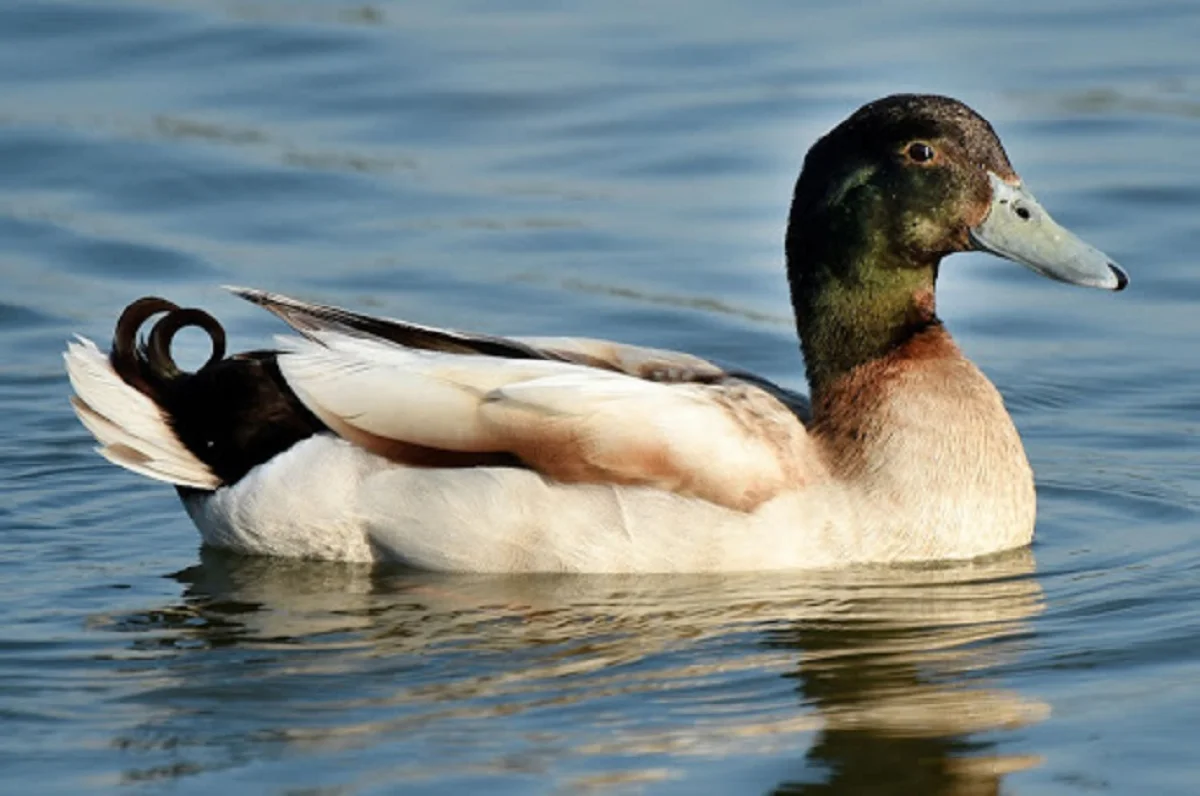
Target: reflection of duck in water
[891, 667]
[370, 439]
[900, 683]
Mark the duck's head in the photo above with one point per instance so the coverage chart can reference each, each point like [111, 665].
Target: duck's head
[882, 198]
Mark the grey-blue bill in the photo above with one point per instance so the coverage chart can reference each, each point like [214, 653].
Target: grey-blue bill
[1018, 228]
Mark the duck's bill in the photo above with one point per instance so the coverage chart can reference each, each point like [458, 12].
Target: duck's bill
[1018, 229]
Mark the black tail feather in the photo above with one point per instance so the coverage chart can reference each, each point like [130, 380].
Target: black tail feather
[232, 413]
[158, 348]
[148, 366]
[128, 356]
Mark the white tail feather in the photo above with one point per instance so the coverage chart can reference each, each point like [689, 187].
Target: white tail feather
[130, 427]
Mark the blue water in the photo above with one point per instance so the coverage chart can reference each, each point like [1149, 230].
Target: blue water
[618, 170]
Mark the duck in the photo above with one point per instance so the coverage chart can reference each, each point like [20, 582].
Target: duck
[367, 439]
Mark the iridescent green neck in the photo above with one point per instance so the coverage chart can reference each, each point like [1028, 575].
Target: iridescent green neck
[856, 297]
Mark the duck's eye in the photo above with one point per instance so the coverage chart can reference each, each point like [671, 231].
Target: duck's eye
[920, 152]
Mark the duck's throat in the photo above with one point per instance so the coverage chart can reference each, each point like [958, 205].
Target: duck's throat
[855, 304]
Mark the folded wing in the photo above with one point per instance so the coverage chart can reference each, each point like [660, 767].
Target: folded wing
[724, 441]
[572, 409]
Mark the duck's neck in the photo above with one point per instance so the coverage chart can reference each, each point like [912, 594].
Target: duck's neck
[855, 298]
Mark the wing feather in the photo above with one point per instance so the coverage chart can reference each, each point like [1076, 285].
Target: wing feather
[733, 444]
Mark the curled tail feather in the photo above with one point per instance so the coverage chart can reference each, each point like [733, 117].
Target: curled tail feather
[148, 366]
[119, 398]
